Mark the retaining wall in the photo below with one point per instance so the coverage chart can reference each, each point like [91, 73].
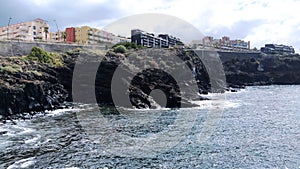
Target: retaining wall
[15, 48]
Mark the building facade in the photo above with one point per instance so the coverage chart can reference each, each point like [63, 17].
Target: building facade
[119, 39]
[143, 38]
[37, 29]
[57, 36]
[277, 49]
[224, 43]
[88, 35]
[70, 33]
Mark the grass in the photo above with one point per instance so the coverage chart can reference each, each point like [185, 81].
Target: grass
[35, 72]
[14, 68]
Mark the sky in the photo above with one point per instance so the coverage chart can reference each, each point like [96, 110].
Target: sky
[257, 21]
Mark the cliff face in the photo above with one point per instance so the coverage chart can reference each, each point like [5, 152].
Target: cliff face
[137, 73]
[264, 70]
[27, 86]
[31, 86]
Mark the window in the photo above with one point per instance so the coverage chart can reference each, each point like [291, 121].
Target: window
[34, 27]
[34, 33]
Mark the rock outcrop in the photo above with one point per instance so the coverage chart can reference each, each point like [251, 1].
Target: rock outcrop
[136, 80]
[265, 70]
[39, 82]
[27, 87]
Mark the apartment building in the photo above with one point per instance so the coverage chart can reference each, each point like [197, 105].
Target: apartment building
[237, 43]
[26, 31]
[57, 36]
[70, 35]
[143, 38]
[88, 35]
[225, 43]
[277, 49]
[119, 39]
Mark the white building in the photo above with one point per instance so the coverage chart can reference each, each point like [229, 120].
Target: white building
[26, 31]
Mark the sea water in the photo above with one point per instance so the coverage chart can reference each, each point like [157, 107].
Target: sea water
[257, 127]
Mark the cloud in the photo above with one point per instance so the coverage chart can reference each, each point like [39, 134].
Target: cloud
[156, 23]
[263, 21]
[66, 13]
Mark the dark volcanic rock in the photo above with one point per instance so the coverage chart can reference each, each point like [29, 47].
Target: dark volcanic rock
[265, 70]
[136, 85]
[28, 87]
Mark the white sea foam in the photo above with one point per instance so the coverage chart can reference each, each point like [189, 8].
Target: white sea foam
[61, 111]
[32, 140]
[213, 104]
[24, 163]
[19, 129]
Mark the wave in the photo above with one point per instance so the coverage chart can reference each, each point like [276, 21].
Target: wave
[24, 163]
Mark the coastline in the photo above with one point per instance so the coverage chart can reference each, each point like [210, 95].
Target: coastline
[31, 86]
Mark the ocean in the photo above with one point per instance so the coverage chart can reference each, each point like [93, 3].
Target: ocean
[256, 127]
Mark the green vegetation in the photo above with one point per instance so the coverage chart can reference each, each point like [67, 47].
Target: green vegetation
[64, 36]
[46, 30]
[42, 56]
[14, 68]
[120, 49]
[35, 72]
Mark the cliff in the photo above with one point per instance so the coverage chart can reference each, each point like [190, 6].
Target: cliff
[263, 70]
[43, 81]
[27, 86]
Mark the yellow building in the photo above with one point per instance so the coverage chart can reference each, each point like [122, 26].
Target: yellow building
[57, 36]
[81, 34]
[88, 35]
[26, 31]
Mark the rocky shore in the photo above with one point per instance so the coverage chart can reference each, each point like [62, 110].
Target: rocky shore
[265, 70]
[43, 81]
[28, 85]
[39, 82]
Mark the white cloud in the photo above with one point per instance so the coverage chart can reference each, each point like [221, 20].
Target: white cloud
[260, 21]
[279, 21]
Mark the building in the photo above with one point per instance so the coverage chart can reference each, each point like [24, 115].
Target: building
[88, 35]
[57, 36]
[172, 41]
[149, 40]
[103, 36]
[277, 49]
[225, 43]
[26, 31]
[70, 33]
[119, 39]
[82, 34]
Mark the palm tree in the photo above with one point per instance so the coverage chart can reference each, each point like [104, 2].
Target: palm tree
[46, 30]
[64, 36]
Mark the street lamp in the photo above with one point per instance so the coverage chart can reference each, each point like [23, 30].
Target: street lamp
[8, 27]
[58, 36]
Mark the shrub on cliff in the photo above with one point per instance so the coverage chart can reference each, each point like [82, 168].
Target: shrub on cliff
[120, 49]
[42, 56]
